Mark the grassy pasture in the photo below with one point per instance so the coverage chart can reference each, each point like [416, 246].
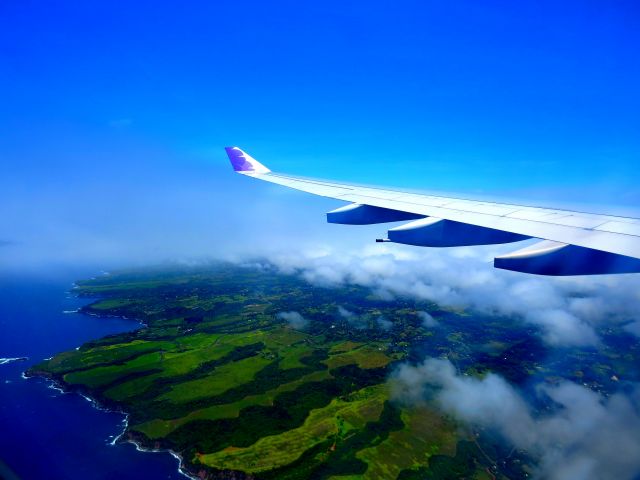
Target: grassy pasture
[365, 356]
[425, 434]
[99, 376]
[187, 354]
[323, 423]
[160, 428]
[172, 364]
[85, 358]
[112, 303]
[222, 379]
[345, 346]
[173, 358]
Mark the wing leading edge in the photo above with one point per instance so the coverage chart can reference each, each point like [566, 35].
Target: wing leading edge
[572, 243]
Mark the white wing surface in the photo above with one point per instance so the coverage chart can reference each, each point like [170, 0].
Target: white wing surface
[573, 243]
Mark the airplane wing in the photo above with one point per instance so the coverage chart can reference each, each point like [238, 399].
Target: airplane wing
[571, 243]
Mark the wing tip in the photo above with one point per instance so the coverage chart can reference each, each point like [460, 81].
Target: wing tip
[242, 162]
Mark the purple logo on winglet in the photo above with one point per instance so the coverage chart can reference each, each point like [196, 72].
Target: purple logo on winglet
[243, 162]
[238, 160]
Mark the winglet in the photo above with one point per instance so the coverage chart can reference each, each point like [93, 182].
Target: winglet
[243, 162]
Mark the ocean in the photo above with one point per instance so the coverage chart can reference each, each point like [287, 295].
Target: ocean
[45, 433]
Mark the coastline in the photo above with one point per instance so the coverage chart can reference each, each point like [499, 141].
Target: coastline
[57, 383]
[7, 360]
[99, 404]
[188, 463]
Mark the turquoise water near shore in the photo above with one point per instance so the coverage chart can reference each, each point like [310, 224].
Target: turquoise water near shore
[46, 433]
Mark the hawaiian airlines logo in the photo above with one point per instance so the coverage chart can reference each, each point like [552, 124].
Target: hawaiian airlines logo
[243, 162]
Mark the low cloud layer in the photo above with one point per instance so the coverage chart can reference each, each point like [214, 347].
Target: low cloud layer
[568, 311]
[294, 319]
[586, 436]
[384, 324]
[427, 320]
[344, 313]
[352, 319]
[360, 322]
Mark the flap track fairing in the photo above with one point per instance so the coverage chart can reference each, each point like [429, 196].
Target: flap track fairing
[359, 214]
[559, 259]
[436, 232]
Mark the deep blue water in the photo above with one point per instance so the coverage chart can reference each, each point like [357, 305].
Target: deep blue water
[45, 433]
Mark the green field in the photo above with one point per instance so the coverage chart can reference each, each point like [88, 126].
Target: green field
[219, 378]
[336, 419]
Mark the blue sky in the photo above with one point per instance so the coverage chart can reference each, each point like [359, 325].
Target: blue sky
[114, 116]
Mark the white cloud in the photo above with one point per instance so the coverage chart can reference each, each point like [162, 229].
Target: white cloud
[384, 324]
[351, 318]
[586, 436]
[427, 320]
[344, 313]
[294, 319]
[567, 310]
[562, 327]
[633, 327]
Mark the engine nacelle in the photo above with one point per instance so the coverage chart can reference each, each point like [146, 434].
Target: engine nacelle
[436, 232]
[359, 214]
[559, 259]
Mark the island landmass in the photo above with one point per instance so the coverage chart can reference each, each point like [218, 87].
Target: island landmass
[249, 373]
